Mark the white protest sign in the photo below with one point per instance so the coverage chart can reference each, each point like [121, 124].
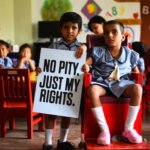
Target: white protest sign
[59, 85]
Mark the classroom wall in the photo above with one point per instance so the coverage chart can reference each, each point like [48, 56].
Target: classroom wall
[7, 20]
[23, 21]
[18, 18]
[127, 12]
[16, 21]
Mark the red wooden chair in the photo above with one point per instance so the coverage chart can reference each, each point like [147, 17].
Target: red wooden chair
[98, 40]
[16, 100]
[146, 95]
[115, 110]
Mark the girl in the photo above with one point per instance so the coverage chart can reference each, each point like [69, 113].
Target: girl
[5, 62]
[111, 66]
[25, 60]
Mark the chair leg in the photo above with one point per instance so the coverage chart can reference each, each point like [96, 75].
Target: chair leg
[30, 127]
[82, 126]
[12, 123]
[3, 127]
[143, 106]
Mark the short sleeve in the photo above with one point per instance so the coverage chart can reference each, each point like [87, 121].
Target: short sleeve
[52, 46]
[141, 64]
[1, 62]
[10, 63]
[97, 53]
[33, 62]
[134, 59]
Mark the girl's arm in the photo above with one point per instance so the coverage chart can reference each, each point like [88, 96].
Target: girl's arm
[32, 65]
[135, 70]
[1, 66]
[89, 61]
[24, 60]
[21, 62]
[86, 66]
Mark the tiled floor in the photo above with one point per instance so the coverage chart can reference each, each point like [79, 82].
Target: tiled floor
[16, 140]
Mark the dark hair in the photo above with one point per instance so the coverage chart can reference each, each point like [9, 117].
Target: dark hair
[115, 22]
[23, 46]
[140, 48]
[95, 19]
[71, 17]
[4, 43]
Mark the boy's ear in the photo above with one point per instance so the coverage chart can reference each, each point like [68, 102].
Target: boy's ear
[123, 37]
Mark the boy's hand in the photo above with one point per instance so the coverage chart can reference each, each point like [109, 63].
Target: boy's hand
[38, 70]
[85, 68]
[80, 51]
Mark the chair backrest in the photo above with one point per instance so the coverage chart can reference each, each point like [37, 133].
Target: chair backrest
[15, 87]
[93, 40]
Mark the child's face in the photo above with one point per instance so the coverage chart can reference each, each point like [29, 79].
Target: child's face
[70, 31]
[3, 51]
[113, 36]
[97, 28]
[26, 52]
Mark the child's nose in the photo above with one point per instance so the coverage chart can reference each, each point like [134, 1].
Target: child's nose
[70, 30]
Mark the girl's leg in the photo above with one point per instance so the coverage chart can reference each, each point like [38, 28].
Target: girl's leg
[135, 93]
[94, 93]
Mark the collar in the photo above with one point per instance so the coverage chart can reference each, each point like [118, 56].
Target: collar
[3, 59]
[122, 57]
[75, 43]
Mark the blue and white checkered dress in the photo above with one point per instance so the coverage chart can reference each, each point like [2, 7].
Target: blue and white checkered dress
[104, 64]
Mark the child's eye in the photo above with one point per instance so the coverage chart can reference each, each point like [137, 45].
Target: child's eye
[114, 31]
[74, 28]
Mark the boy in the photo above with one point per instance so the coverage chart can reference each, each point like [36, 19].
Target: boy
[95, 25]
[5, 62]
[70, 24]
[111, 66]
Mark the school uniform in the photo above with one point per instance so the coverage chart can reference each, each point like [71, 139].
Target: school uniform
[141, 64]
[26, 65]
[104, 64]
[6, 62]
[63, 45]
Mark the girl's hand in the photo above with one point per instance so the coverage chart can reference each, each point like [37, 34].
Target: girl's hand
[1, 66]
[23, 60]
[86, 68]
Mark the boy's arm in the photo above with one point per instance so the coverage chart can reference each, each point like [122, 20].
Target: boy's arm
[80, 51]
